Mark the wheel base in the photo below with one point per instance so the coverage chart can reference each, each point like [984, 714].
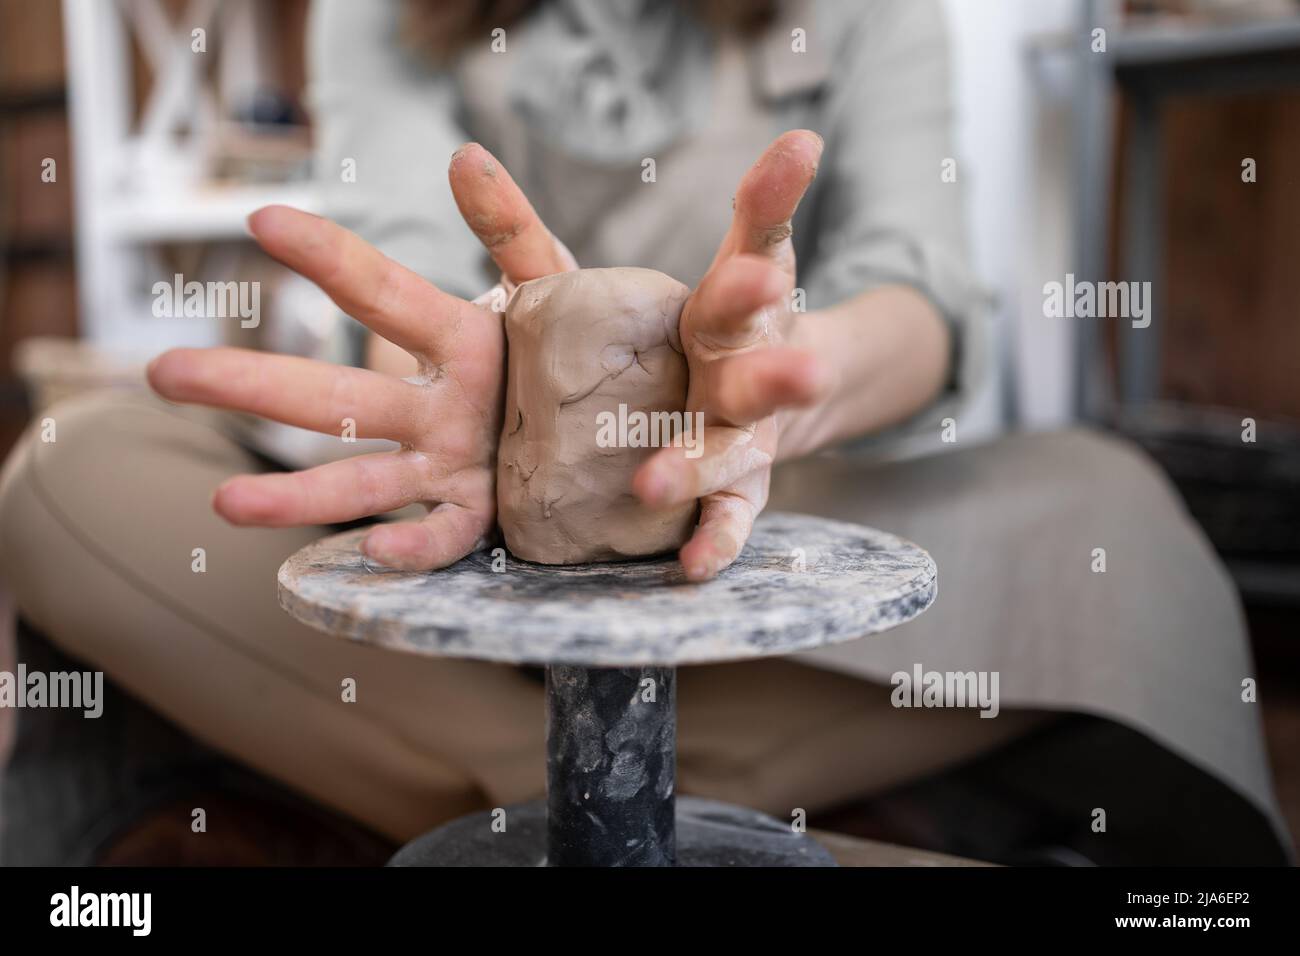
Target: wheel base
[709, 833]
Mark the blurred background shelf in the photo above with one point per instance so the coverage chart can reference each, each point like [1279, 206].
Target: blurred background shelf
[1174, 43]
[206, 212]
[186, 116]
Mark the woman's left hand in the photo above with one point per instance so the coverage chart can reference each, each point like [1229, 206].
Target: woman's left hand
[734, 328]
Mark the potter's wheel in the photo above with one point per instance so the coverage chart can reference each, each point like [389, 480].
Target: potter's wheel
[611, 637]
[800, 582]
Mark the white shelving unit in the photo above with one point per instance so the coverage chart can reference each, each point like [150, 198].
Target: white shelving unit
[143, 183]
[197, 214]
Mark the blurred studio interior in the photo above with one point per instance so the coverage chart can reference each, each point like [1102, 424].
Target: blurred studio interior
[1095, 140]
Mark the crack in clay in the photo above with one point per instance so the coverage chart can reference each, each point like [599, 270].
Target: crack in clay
[672, 329]
[576, 397]
[547, 505]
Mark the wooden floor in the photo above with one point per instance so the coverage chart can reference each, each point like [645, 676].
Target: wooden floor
[1275, 634]
[854, 851]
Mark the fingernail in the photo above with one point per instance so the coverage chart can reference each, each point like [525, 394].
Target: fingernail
[659, 488]
[368, 548]
[647, 486]
[701, 570]
[219, 493]
[461, 151]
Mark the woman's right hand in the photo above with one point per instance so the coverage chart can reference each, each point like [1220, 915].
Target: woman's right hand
[447, 418]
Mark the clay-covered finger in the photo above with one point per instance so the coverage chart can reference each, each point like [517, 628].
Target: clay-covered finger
[724, 457]
[745, 388]
[726, 521]
[331, 399]
[727, 310]
[388, 298]
[449, 533]
[497, 211]
[339, 491]
[768, 195]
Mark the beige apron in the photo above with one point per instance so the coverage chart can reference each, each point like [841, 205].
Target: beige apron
[610, 215]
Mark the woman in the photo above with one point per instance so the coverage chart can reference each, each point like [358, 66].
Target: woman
[633, 128]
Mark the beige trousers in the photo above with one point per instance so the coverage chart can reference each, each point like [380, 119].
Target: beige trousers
[98, 536]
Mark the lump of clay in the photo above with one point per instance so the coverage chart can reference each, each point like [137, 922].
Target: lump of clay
[580, 344]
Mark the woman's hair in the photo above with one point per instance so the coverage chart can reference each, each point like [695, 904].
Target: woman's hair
[442, 28]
